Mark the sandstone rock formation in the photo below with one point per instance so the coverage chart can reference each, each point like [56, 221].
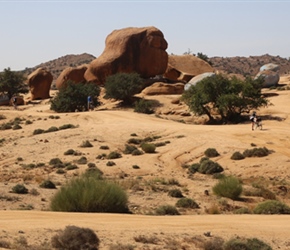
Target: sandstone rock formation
[184, 67]
[39, 82]
[197, 79]
[141, 50]
[74, 74]
[270, 73]
[160, 88]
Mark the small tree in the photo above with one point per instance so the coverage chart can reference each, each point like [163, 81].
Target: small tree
[12, 83]
[74, 96]
[123, 86]
[228, 97]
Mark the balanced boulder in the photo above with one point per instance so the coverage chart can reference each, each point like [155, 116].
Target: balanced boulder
[73, 74]
[140, 50]
[270, 74]
[185, 67]
[161, 88]
[197, 79]
[39, 82]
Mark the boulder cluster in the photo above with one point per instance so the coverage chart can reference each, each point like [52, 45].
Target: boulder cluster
[140, 50]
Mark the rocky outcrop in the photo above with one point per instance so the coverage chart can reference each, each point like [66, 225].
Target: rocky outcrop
[74, 74]
[197, 79]
[160, 88]
[140, 50]
[39, 82]
[185, 67]
[270, 73]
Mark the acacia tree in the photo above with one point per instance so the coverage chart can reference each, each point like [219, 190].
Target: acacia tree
[227, 97]
[12, 82]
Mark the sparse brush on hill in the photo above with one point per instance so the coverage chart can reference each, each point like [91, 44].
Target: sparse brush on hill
[229, 187]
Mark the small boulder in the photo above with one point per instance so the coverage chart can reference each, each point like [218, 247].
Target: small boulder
[39, 82]
[185, 67]
[74, 74]
[197, 79]
[271, 78]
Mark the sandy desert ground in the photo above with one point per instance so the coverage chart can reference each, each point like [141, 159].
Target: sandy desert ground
[28, 216]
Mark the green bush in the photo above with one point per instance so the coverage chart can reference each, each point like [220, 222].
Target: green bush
[272, 207]
[148, 148]
[114, 155]
[104, 147]
[246, 244]
[76, 238]
[73, 96]
[51, 129]
[237, 156]
[256, 152]
[137, 152]
[123, 86]
[16, 127]
[66, 126]
[135, 141]
[83, 160]
[193, 168]
[144, 106]
[55, 161]
[69, 152]
[242, 210]
[90, 194]
[186, 203]
[209, 167]
[167, 210]
[19, 189]
[176, 193]
[211, 152]
[38, 131]
[129, 149]
[86, 144]
[229, 187]
[47, 184]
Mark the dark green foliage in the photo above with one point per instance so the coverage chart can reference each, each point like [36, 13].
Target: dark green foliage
[135, 141]
[209, 167]
[211, 152]
[135, 167]
[55, 161]
[27, 122]
[51, 129]
[104, 147]
[137, 152]
[90, 194]
[229, 97]
[144, 106]
[70, 166]
[12, 82]
[186, 203]
[94, 172]
[73, 96]
[167, 210]
[66, 126]
[256, 152]
[272, 207]
[110, 163]
[16, 127]
[129, 149]
[204, 57]
[176, 193]
[148, 147]
[246, 244]
[75, 238]
[60, 171]
[215, 243]
[123, 86]
[6, 126]
[86, 144]
[19, 189]
[82, 160]
[47, 184]
[229, 187]
[237, 156]
[38, 131]
[114, 155]
[69, 152]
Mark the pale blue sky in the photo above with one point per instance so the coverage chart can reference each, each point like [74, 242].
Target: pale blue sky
[33, 32]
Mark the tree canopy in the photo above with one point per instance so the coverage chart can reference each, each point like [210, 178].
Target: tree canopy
[229, 98]
[12, 83]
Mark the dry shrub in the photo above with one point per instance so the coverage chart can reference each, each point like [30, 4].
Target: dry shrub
[76, 238]
[146, 239]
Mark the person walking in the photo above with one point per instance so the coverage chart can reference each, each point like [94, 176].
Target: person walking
[253, 119]
[14, 101]
[90, 103]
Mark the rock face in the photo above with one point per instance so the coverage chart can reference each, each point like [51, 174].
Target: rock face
[74, 74]
[141, 50]
[39, 82]
[185, 67]
[270, 73]
[197, 79]
[160, 88]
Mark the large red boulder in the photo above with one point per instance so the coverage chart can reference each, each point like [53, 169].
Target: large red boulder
[73, 74]
[140, 50]
[185, 67]
[39, 82]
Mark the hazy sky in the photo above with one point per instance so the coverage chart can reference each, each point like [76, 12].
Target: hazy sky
[33, 32]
